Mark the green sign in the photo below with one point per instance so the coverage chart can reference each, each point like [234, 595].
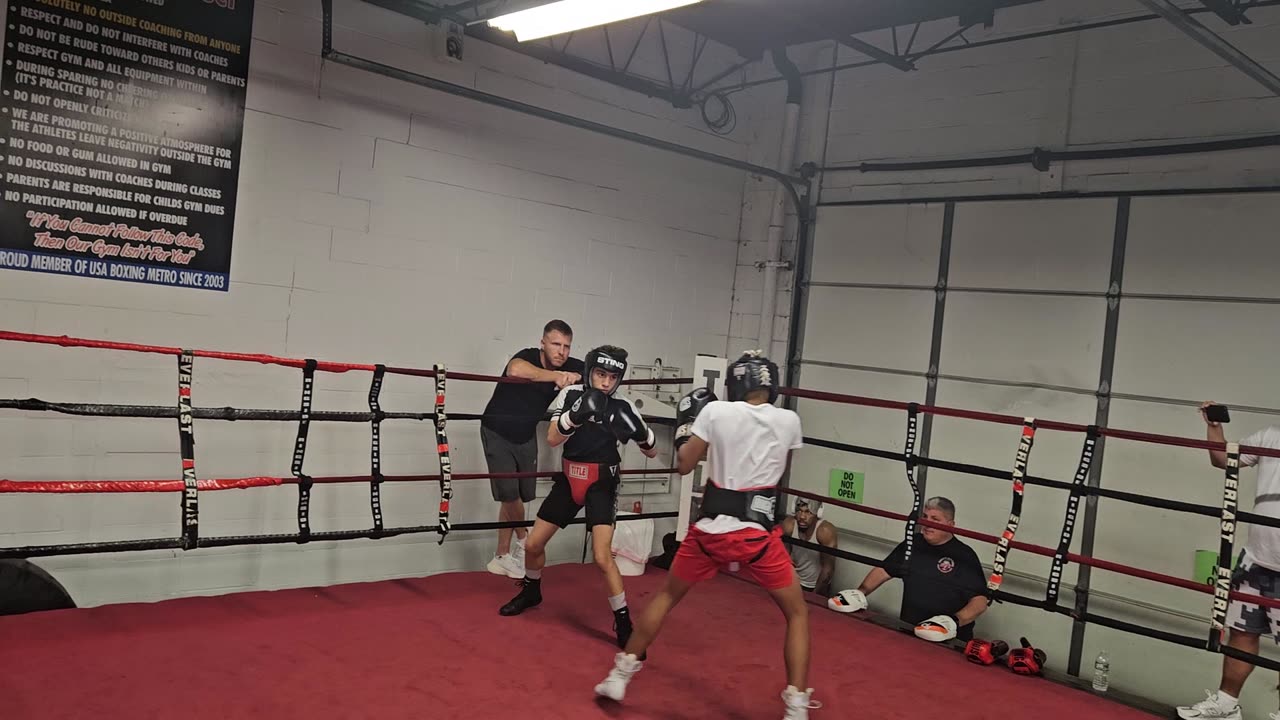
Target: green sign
[1206, 568]
[846, 485]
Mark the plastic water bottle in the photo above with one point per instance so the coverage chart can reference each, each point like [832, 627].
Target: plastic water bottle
[1101, 673]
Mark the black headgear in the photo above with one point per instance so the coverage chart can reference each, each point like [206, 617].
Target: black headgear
[607, 362]
[752, 371]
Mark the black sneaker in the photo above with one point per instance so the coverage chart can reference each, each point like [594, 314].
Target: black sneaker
[530, 596]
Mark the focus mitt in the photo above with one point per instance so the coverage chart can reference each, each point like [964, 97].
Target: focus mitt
[1027, 660]
[938, 628]
[848, 601]
[985, 652]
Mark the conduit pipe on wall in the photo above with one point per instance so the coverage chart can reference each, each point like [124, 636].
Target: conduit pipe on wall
[773, 263]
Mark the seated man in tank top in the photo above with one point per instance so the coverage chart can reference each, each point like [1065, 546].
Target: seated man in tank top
[813, 567]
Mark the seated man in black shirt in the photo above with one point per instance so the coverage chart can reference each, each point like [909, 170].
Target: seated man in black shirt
[507, 431]
[591, 421]
[944, 589]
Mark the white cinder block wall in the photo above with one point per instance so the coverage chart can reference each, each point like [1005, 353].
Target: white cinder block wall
[1127, 85]
[377, 222]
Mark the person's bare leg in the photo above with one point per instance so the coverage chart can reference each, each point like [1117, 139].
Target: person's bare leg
[602, 553]
[649, 623]
[796, 650]
[515, 513]
[504, 534]
[535, 547]
[1236, 672]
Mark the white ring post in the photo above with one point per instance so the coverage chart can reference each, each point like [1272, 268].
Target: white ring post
[708, 371]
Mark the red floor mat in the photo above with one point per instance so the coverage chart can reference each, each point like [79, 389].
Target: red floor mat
[436, 648]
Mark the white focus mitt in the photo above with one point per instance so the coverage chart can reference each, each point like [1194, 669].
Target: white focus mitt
[938, 628]
[848, 601]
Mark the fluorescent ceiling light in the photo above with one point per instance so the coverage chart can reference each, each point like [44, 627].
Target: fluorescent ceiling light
[569, 15]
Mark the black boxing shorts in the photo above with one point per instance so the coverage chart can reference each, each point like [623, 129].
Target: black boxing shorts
[593, 486]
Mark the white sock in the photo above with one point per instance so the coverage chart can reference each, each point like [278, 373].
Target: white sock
[1227, 700]
[533, 574]
[617, 602]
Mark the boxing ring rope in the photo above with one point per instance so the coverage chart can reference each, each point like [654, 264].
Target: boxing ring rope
[190, 486]
[1228, 515]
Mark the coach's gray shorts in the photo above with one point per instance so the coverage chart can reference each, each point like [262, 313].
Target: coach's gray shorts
[504, 456]
[1251, 618]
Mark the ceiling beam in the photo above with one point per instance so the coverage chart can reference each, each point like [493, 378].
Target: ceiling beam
[876, 53]
[1227, 10]
[1206, 37]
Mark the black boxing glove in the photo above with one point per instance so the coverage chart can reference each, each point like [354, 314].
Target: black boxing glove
[687, 411]
[627, 425]
[591, 405]
[1027, 660]
[985, 652]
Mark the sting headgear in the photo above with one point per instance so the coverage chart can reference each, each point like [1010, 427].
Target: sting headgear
[610, 362]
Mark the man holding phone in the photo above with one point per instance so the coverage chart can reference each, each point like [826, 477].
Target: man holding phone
[1257, 572]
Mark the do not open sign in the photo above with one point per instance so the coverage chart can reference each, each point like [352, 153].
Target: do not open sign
[846, 485]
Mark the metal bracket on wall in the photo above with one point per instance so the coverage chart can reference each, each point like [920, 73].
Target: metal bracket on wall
[780, 264]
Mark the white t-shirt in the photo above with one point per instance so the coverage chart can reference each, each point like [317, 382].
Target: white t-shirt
[1264, 542]
[749, 448]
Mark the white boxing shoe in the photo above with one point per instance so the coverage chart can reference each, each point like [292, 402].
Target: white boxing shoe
[614, 686]
[798, 703]
[1214, 707]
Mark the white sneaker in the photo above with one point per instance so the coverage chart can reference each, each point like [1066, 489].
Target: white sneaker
[1214, 706]
[614, 687]
[505, 565]
[517, 551]
[798, 703]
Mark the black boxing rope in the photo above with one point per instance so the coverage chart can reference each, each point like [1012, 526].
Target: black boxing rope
[375, 449]
[1227, 536]
[1069, 522]
[981, 471]
[187, 448]
[442, 449]
[113, 546]
[300, 452]
[909, 460]
[1015, 511]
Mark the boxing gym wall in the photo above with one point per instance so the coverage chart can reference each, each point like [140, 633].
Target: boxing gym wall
[377, 222]
[1001, 304]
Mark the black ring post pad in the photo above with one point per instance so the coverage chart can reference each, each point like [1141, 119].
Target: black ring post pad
[375, 452]
[911, 462]
[1079, 486]
[300, 452]
[187, 447]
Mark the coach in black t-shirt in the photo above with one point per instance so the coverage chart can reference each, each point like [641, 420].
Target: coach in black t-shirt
[945, 577]
[508, 431]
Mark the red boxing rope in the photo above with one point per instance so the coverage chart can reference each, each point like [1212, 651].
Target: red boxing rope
[1044, 551]
[1017, 420]
[321, 366]
[151, 486]
[135, 486]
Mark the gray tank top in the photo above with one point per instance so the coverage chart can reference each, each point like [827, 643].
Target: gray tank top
[807, 562]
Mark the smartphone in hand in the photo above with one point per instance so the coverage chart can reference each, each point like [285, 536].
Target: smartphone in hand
[1217, 414]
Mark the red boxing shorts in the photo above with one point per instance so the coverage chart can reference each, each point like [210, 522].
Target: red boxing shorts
[761, 554]
[581, 477]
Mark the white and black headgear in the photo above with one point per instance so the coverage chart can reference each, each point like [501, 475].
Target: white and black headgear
[752, 371]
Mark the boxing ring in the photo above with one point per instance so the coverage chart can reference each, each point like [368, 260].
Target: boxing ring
[435, 646]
